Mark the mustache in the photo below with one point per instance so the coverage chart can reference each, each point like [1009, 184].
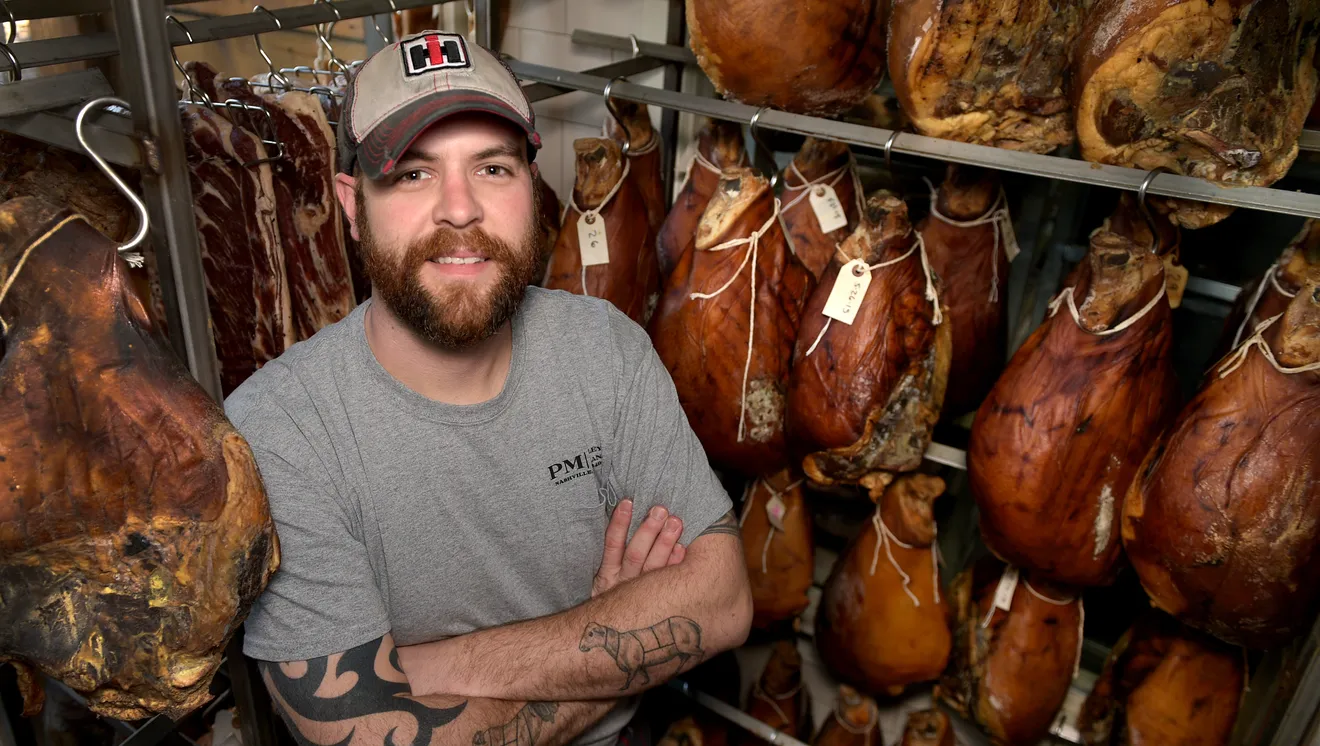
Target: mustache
[444, 242]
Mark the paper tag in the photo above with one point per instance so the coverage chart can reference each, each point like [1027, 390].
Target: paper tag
[1007, 586]
[829, 210]
[775, 509]
[848, 291]
[1175, 281]
[592, 243]
[1009, 238]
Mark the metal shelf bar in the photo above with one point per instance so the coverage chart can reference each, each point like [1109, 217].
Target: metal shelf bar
[111, 135]
[50, 91]
[631, 66]
[25, 10]
[100, 45]
[1066, 169]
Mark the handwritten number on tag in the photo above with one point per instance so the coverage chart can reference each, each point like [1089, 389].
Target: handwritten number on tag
[829, 211]
[848, 291]
[592, 241]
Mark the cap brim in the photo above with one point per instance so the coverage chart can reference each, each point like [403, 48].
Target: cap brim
[388, 141]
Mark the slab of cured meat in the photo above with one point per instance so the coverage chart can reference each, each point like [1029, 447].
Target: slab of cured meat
[1010, 670]
[719, 147]
[726, 326]
[778, 698]
[1165, 684]
[550, 209]
[777, 548]
[135, 533]
[307, 212]
[855, 721]
[1223, 523]
[246, 285]
[1269, 294]
[1062, 433]
[928, 728]
[819, 164]
[1208, 89]
[966, 237]
[882, 623]
[645, 154]
[603, 194]
[809, 58]
[864, 397]
[987, 74]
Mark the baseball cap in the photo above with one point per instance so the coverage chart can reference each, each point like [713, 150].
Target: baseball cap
[403, 89]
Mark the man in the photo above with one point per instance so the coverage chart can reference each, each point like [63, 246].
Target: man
[445, 465]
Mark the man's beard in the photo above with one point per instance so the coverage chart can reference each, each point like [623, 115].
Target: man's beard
[458, 316]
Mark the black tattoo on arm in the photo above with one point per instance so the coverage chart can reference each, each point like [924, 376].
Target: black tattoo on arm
[638, 651]
[725, 524]
[524, 729]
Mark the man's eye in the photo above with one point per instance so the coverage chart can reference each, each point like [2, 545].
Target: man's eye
[495, 170]
[414, 175]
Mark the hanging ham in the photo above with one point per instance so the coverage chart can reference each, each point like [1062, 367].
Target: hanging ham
[814, 58]
[1165, 684]
[1058, 440]
[726, 326]
[135, 533]
[1010, 669]
[644, 155]
[719, 147]
[928, 728]
[864, 397]
[969, 239]
[855, 721]
[1223, 523]
[778, 698]
[1270, 293]
[777, 548]
[548, 202]
[986, 74]
[882, 620]
[1214, 90]
[607, 212]
[821, 191]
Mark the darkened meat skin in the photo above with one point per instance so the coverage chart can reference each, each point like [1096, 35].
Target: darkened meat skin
[720, 144]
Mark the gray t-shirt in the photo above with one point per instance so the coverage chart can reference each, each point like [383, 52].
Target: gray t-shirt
[400, 514]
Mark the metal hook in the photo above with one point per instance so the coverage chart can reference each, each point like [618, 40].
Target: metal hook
[609, 106]
[760, 146]
[889, 151]
[323, 29]
[15, 69]
[144, 221]
[190, 88]
[632, 38]
[275, 75]
[12, 34]
[1156, 243]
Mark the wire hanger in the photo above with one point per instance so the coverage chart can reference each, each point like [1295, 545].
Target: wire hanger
[15, 72]
[275, 75]
[321, 34]
[384, 37]
[191, 91]
[761, 148]
[1155, 240]
[144, 221]
[609, 106]
[889, 150]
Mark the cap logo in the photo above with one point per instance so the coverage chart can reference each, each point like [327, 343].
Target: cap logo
[422, 54]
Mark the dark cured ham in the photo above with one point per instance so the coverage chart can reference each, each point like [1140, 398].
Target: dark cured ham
[1270, 293]
[882, 623]
[855, 721]
[928, 728]
[603, 193]
[866, 397]
[819, 164]
[135, 533]
[645, 154]
[826, 57]
[726, 325]
[1165, 685]
[966, 243]
[987, 74]
[1223, 523]
[719, 147]
[1059, 439]
[778, 698]
[777, 548]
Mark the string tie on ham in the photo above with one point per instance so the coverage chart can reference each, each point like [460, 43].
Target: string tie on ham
[1237, 357]
[1066, 296]
[1273, 274]
[752, 241]
[22, 259]
[996, 216]
[807, 186]
[749, 495]
[592, 215]
[1081, 618]
[884, 537]
[860, 730]
[773, 699]
[700, 160]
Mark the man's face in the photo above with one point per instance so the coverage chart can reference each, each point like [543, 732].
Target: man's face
[450, 238]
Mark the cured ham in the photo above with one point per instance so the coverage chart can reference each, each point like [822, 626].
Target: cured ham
[1061, 434]
[882, 620]
[719, 147]
[969, 237]
[607, 209]
[777, 547]
[864, 397]
[135, 533]
[778, 698]
[928, 728]
[986, 74]
[1165, 684]
[1270, 293]
[827, 56]
[855, 721]
[1214, 90]
[1010, 669]
[821, 190]
[645, 157]
[1223, 523]
[727, 322]
[548, 203]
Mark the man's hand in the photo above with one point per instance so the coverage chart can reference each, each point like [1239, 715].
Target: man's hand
[655, 545]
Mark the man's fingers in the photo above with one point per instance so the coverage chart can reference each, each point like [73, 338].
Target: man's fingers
[640, 547]
[616, 537]
[664, 544]
[676, 555]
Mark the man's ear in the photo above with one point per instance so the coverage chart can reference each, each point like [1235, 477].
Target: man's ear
[535, 169]
[346, 191]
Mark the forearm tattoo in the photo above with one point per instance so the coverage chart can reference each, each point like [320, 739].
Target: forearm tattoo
[525, 729]
[362, 691]
[725, 524]
[638, 651]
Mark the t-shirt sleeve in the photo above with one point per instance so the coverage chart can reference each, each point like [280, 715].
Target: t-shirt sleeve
[657, 456]
[324, 598]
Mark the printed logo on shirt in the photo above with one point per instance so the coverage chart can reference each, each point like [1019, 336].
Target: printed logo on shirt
[581, 465]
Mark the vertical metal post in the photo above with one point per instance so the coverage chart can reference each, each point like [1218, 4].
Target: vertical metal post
[144, 53]
[484, 22]
[675, 34]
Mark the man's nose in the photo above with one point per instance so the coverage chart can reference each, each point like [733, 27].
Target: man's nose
[457, 205]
